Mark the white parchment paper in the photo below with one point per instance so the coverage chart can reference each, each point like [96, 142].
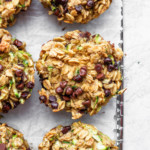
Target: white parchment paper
[36, 27]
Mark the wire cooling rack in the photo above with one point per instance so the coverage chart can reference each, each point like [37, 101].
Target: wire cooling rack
[35, 28]
[120, 99]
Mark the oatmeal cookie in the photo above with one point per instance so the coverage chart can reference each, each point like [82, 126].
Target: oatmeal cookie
[9, 9]
[79, 11]
[79, 73]
[78, 136]
[16, 72]
[12, 139]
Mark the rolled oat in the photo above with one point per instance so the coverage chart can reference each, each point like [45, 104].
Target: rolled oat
[12, 139]
[9, 9]
[79, 73]
[78, 136]
[79, 11]
[16, 73]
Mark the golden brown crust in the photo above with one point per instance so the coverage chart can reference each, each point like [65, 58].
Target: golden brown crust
[74, 73]
[78, 136]
[79, 11]
[16, 72]
[12, 139]
[9, 9]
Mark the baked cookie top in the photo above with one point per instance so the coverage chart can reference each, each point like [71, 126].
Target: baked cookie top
[11, 139]
[79, 11]
[79, 72]
[9, 9]
[16, 72]
[78, 136]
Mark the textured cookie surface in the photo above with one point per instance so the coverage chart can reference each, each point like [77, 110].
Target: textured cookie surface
[11, 139]
[16, 72]
[79, 11]
[79, 73]
[9, 9]
[78, 136]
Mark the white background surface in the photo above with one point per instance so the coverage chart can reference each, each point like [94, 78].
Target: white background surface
[36, 27]
[137, 97]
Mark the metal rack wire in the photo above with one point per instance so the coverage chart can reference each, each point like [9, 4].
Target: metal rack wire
[120, 99]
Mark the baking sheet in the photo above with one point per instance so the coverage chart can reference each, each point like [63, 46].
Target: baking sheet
[36, 27]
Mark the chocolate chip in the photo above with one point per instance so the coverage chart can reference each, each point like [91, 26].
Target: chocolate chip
[19, 73]
[98, 68]
[110, 81]
[6, 107]
[69, 91]
[74, 94]
[65, 129]
[110, 67]
[90, 3]
[20, 86]
[66, 98]
[57, 2]
[59, 90]
[56, 12]
[78, 78]
[15, 104]
[85, 35]
[83, 111]
[21, 65]
[43, 98]
[18, 43]
[62, 2]
[65, 10]
[78, 8]
[87, 103]
[107, 93]
[30, 85]
[9, 20]
[1, 67]
[79, 91]
[0, 40]
[116, 66]
[63, 84]
[52, 99]
[83, 72]
[100, 76]
[2, 146]
[54, 105]
[24, 94]
[107, 61]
